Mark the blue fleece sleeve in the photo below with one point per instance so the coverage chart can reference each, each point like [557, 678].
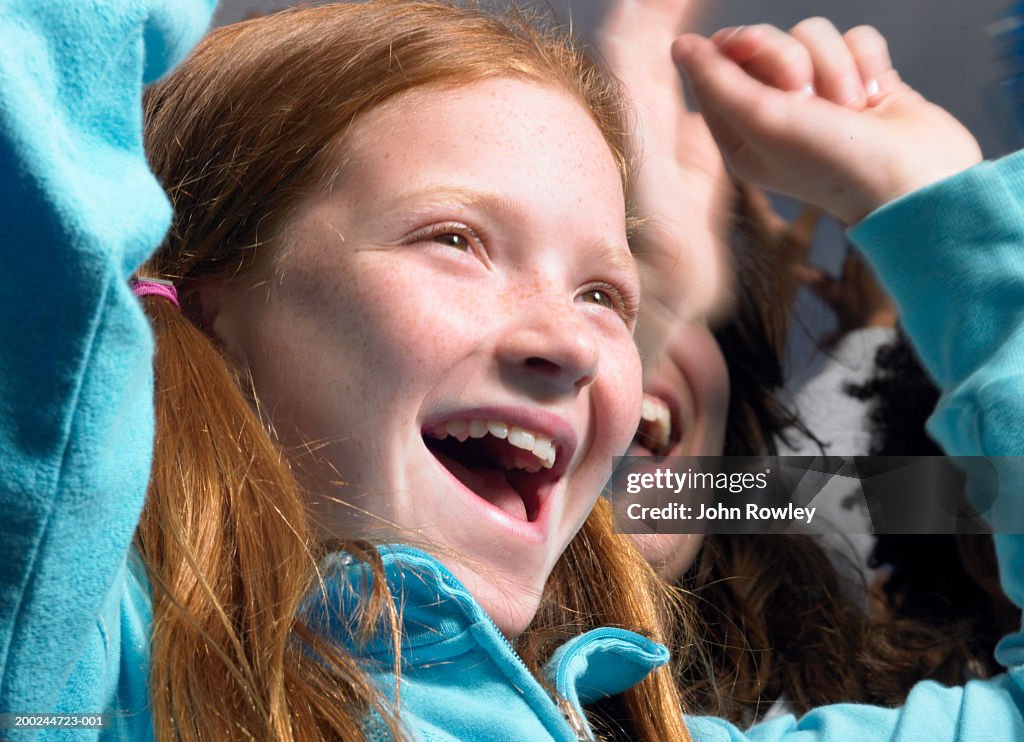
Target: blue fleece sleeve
[952, 255]
[79, 211]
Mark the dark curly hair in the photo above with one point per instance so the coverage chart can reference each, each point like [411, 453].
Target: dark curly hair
[945, 580]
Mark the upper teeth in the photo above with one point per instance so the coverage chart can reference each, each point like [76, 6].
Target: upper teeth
[542, 447]
[657, 414]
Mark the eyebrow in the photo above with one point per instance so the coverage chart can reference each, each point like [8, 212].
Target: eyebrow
[447, 195]
[620, 258]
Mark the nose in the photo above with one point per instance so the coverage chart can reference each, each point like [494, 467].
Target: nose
[549, 348]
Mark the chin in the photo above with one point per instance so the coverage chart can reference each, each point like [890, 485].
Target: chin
[510, 604]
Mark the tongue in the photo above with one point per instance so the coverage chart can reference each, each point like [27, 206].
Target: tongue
[490, 484]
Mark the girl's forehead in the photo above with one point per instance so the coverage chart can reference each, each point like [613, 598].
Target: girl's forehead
[522, 112]
[521, 141]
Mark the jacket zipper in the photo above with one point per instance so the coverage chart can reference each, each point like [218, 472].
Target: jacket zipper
[576, 722]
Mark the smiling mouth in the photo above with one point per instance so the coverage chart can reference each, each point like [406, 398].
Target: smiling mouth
[509, 467]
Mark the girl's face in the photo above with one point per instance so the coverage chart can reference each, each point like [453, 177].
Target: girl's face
[445, 339]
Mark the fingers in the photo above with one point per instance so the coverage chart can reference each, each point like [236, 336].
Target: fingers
[671, 16]
[721, 89]
[848, 69]
[716, 76]
[739, 109]
[639, 60]
[836, 76]
[680, 162]
[634, 38]
[769, 55]
[838, 157]
[874, 65]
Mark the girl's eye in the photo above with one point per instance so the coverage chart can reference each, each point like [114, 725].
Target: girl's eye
[611, 297]
[452, 235]
[455, 235]
[453, 239]
[599, 296]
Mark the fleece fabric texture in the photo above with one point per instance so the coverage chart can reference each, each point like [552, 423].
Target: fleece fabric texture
[952, 255]
[461, 679]
[79, 211]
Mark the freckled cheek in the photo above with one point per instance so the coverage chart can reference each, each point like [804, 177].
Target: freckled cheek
[415, 320]
[623, 398]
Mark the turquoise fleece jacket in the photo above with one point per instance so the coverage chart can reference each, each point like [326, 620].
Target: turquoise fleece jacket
[461, 679]
[79, 211]
[952, 255]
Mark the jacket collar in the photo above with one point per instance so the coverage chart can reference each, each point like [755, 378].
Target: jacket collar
[440, 619]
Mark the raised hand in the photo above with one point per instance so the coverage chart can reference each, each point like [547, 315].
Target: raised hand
[821, 116]
[683, 194]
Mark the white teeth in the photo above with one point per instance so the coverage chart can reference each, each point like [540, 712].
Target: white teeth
[538, 450]
[458, 429]
[652, 406]
[657, 413]
[525, 460]
[521, 438]
[543, 449]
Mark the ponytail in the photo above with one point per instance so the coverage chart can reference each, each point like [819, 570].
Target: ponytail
[225, 538]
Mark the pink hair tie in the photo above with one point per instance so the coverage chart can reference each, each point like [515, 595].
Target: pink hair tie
[155, 287]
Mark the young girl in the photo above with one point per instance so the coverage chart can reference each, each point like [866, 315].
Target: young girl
[495, 203]
[824, 117]
[400, 243]
[785, 629]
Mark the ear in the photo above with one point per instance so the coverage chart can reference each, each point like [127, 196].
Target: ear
[208, 307]
[200, 303]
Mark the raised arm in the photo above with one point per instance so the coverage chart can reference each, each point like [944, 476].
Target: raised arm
[946, 236]
[683, 195]
[79, 211]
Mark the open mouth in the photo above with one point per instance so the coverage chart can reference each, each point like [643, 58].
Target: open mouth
[510, 467]
[659, 432]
